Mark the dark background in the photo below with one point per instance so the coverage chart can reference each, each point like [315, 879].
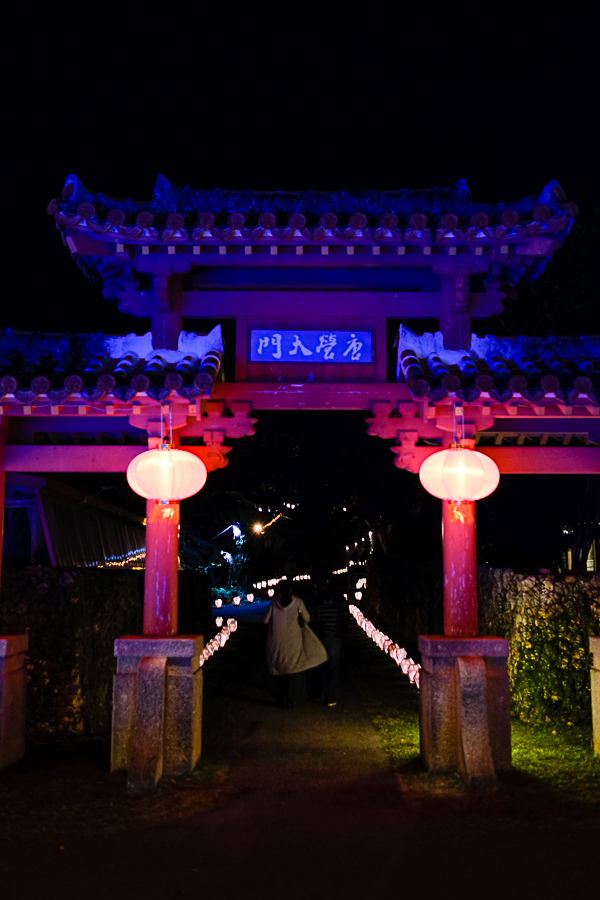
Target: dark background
[300, 97]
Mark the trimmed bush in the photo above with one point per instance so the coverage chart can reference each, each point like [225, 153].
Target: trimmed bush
[72, 618]
[547, 620]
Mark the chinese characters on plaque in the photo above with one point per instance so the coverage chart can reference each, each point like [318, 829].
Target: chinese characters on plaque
[311, 346]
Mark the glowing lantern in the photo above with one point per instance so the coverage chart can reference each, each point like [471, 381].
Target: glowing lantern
[166, 474]
[218, 603]
[459, 474]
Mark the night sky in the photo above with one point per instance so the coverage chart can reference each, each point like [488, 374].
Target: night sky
[288, 97]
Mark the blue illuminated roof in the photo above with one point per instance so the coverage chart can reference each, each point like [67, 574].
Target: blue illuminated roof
[433, 203]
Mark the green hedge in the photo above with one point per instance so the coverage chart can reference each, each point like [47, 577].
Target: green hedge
[547, 620]
[73, 618]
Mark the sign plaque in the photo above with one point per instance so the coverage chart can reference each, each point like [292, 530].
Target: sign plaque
[295, 346]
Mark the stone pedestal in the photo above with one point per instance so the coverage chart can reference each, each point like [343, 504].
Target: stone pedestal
[13, 697]
[595, 678]
[465, 707]
[157, 708]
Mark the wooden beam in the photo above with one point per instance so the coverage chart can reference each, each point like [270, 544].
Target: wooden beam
[510, 460]
[92, 458]
[545, 460]
[516, 460]
[59, 458]
[230, 304]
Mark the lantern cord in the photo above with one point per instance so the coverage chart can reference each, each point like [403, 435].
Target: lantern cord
[171, 423]
[462, 424]
[162, 429]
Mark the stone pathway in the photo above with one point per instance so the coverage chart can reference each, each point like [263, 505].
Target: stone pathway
[311, 809]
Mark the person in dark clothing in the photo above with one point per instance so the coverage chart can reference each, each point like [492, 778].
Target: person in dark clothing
[329, 617]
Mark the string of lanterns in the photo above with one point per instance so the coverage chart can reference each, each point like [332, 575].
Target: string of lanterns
[408, 666]
[398, 654]
[218, 641]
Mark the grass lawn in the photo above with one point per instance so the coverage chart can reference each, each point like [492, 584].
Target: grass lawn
[554, 765]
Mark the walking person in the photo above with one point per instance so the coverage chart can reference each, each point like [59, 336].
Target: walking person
[329, 617]
[292, 647]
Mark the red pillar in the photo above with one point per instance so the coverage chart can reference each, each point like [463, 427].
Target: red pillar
[460, 569]
[162, 568]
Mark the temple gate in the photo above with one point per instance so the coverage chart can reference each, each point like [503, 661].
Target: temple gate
[316, 285]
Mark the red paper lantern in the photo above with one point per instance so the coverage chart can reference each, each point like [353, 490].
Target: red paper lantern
[459, 474]
[166, 474]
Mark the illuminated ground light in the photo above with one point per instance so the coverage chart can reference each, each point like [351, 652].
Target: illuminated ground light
[399, 655]
[270, 582]
[218, 641]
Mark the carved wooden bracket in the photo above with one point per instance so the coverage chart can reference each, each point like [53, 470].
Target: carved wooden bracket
[216, 426]
[460, 297]
[406, 453]
[379, 424]
[213, 456]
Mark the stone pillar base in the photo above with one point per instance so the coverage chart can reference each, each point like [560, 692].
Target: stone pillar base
[595, 679]
[465, 707]
[13, 698]
[157, 708]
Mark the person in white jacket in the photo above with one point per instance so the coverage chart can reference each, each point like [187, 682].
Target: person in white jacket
[292, 647]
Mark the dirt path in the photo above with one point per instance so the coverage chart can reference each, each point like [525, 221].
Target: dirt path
[311, 809]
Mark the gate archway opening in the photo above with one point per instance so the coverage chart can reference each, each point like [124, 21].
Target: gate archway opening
[313, 284]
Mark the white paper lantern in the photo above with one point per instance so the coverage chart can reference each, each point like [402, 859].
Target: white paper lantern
[459, 474]
[166, 474]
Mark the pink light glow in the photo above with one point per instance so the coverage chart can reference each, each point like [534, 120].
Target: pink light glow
[166, 474]
[398, 654]
[219, 640]
[459, 474]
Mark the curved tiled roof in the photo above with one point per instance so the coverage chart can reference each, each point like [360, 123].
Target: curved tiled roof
[95, 366]
[539, 370]
[436, 214]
